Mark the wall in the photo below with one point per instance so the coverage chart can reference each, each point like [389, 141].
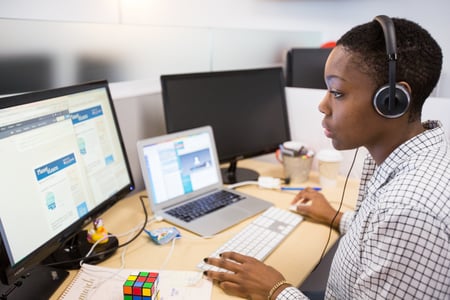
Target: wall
[137, 39]
[330, 17]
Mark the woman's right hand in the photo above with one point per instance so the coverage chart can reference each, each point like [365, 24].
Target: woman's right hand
[313, 205]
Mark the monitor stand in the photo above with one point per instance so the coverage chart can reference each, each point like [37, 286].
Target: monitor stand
[40, 283]
[233, 174]
[70, 254]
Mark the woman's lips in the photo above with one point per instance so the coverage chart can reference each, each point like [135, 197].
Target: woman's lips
[327, 133]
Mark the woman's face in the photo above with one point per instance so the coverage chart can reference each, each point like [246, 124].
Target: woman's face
[350, 120]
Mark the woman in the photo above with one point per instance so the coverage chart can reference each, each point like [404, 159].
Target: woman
[396, 242]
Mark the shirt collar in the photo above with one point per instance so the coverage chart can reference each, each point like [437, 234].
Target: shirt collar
[433, 135]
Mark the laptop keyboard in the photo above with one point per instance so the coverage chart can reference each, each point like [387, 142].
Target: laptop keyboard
[202, 206]
[259, 238]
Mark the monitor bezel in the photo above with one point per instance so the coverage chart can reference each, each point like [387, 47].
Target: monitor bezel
[10, 273]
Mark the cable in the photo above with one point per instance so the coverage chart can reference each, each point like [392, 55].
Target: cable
[87, 256]
[125, 247]
[242, 183]
[122, 265]
[263, 182]
[169, 255]
[338, 210]
[141, 197]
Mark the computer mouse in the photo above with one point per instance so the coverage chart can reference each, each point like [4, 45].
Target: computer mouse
[293, 207]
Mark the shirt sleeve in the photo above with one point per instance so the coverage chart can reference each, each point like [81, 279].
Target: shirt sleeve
[406, 257]
[291, 293]
[346, 219]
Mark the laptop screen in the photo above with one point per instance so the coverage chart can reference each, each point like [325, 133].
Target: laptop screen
[180, 165]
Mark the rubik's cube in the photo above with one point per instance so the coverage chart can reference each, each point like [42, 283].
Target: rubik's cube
[141, 286]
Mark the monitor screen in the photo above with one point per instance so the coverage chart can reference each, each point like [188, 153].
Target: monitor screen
[246, 109]
[24, 73]
[63, 163]
[305, 67]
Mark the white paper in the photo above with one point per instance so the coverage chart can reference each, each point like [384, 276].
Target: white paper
[94, 282]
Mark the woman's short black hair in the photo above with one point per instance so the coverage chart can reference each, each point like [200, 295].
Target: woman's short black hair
[419, 57]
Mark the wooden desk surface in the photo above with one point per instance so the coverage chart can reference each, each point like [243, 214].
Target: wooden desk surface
[295, 257]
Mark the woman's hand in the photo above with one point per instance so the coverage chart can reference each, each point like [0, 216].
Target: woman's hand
[249, 278]
[314, 206]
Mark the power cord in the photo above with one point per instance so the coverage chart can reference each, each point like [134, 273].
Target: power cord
[141, 197]
[117, 271]
[266, 182]
[338, 211]
[99, 254]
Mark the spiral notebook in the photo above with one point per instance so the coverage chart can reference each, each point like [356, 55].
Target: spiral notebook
[95, 282]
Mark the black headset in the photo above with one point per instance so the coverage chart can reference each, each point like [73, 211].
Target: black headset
[391, 100]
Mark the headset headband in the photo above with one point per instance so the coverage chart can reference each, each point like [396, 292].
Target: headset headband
[391, 49]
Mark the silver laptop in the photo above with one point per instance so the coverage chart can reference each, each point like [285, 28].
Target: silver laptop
[182, 167]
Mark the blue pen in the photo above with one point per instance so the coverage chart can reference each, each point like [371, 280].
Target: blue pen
[291, 188]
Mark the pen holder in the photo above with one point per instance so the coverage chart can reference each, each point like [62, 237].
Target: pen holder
[296, 168]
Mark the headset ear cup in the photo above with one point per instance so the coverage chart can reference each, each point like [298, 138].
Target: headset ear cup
[400, 105]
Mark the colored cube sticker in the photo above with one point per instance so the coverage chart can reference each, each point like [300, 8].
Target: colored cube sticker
[141, 286]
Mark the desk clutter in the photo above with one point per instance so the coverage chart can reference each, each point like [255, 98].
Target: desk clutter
[297, 160]
[96, 282]
[142, 286]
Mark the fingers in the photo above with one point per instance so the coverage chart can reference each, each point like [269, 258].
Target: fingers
[219, 276]
[222, 263]
[305, 196]
[234, 256]
[304, 210]
[230, 261]
[244, 278]
[228, 281]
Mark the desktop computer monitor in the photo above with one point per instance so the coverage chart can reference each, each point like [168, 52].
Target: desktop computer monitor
[63, 164]
[25, 73]
[245, 108]
[305, 67]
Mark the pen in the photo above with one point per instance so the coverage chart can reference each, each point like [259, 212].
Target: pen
[291, 188]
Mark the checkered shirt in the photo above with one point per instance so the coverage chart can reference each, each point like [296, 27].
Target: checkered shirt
[396, 243]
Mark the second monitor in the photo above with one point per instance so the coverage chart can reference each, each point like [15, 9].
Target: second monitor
[305, 67]
[246, 109]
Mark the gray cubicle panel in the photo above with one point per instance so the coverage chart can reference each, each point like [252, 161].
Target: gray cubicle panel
[139, 117]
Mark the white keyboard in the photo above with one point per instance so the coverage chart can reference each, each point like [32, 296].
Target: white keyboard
[259, 238]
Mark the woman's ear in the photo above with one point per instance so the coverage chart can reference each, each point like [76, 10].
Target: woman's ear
[406, 86]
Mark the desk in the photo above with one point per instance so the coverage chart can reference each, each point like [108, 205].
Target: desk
[295, 257]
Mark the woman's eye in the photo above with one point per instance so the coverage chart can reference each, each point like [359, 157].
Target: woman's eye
[336, 94]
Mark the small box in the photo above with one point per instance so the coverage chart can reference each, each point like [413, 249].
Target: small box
[141, 286]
